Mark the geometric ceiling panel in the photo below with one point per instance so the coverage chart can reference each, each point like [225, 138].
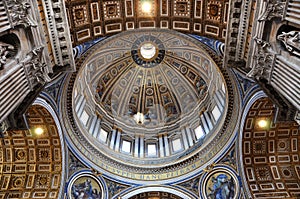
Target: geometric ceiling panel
[89, 20]
[31, 160]
[270, 153]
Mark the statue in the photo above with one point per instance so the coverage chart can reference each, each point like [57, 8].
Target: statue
[291, 41]
[274, 8]
[4, 51]
[297, 117]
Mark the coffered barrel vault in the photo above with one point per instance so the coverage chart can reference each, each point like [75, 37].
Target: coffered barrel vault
[92, 19]
[31, 163]
[270, 154]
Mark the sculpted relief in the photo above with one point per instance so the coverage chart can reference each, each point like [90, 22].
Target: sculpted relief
[291, 41]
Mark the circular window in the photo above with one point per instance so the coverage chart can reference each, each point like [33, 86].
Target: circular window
[148, 50]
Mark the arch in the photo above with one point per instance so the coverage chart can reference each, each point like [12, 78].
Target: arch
[42, 102]
[251, 101]
[268, 152]
[151, 188]
[34, 157]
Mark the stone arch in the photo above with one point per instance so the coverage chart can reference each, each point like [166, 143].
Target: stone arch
[178, 194]
[269, 156]
[32, 163]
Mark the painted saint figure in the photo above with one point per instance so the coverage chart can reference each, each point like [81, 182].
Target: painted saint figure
[223, 188]
[85, 190]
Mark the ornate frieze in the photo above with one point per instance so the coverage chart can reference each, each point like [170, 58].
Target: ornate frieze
[263, 60]
[19, 14]
[58, 33]
[36, 69]
[274, 8]
[291, 41]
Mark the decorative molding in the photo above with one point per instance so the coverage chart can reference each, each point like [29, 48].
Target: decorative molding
[57, 27]
[35, 69]
[264, 60]
[274, 8]
[19, 13]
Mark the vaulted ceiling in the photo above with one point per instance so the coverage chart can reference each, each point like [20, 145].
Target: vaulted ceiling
[30, 162]
[92, 19]
[270, 154]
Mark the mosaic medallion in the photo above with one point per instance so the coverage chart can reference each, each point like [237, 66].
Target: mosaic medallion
[220, 183]
[85, 186]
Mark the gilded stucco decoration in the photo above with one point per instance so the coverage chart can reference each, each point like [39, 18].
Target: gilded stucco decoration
[270, 154]
[31, 164]
[91, 20]
[220, 181]
[118, 136]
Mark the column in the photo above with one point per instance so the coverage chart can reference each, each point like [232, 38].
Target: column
[141, 146]
[166, 142]
[136, 146]
[184, 138]
[113, 138]
[118, 141]
[161, 146]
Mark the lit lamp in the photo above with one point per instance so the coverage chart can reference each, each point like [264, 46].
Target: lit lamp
[262, 123]
[146, 6]
[38, 131]
[139, 118]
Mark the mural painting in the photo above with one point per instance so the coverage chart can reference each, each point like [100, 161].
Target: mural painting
[86, 187]
[220, 184]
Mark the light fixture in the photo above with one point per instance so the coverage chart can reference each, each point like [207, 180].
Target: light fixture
[39, 131]
[148, 50]
[146, 7]
[139, 118]
[262, 123]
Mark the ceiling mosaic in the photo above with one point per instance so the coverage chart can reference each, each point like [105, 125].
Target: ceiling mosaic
[91, 19]
[270, 154]
[31, 163]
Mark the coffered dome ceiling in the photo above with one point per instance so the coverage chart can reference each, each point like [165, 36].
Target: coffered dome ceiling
[151, 87]
[148, 98]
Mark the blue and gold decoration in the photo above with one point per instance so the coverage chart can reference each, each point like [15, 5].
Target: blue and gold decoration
[221, 182]
[86, 185]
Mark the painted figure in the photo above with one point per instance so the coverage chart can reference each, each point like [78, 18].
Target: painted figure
[223, 188]
[85, 190]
